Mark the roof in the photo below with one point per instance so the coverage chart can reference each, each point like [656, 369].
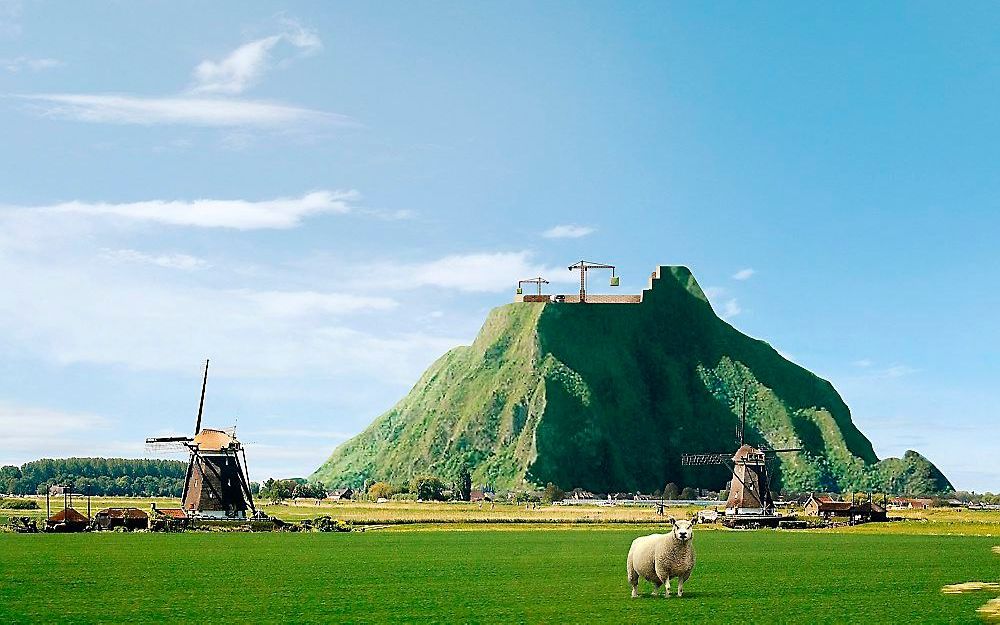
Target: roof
[176, 513]
[213, 440]
[832, 506]
[67, 515]
[123, 513]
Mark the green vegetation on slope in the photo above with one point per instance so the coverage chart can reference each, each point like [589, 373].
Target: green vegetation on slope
[567, 576]
[608, 396]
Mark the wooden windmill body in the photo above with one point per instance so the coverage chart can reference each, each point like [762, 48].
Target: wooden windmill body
[216, 485]
[750, 488]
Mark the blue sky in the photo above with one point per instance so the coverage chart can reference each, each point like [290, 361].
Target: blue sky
[324, 197]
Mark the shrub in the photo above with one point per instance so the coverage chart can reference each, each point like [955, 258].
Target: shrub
[428, 488]
[379, 490]
[19, 504]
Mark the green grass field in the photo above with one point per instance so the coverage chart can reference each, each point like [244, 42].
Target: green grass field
[485, 575]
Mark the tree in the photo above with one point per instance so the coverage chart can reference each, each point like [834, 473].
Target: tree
[689, 493]
[671, 491]
[428, 488]
[465, 484]
[380, 490]
[552, 493]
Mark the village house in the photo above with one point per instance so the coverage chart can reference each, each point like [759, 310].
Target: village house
[825, 506]
[341, 494]
[903, 503]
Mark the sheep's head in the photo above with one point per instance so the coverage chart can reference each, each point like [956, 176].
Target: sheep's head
[683, 529]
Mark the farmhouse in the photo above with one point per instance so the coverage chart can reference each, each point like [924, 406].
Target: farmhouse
[341, 494]
[902, 503]
[128, 518]
[826, 507]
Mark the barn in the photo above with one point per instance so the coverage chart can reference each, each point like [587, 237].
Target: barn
[128, 518]
[66, 520]
[826, 507]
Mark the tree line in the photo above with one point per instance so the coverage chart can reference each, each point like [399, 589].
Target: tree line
[137, 477]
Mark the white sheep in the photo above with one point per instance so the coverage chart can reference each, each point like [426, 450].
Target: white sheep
[660, 557]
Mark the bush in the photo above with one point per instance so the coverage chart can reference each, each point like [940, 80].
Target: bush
[428, 488]
[379, 490]
[19, 504]
[552, 493]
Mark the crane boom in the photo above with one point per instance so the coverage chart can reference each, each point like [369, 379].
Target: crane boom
[584, 266]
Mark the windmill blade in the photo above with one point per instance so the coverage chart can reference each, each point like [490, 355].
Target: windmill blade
[168, 444]
[694, 460]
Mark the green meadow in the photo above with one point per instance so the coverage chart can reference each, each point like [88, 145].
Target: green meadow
[485, 575]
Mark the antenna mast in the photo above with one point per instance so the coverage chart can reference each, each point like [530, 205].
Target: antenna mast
[201, 404]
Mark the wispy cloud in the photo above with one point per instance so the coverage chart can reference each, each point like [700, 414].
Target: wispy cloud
[864, 363]
[303, 303]
[22, 63]
[744, 274]
[176, 110]
[478, 272]
[244, 66]
[731, 308]
[278, 213]
[185, 262]
[568, 231]
[898, 371]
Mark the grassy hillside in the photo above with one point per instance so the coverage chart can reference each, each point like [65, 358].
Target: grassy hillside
[608, 396]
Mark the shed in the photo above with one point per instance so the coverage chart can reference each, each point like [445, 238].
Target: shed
[128, 518]
[826, 507]
[66, 520]
[341, 494]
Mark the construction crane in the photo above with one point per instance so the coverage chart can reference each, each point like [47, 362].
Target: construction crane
[586, 265]
[539, 281]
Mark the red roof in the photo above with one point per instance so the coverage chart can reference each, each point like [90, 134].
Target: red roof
[175, 513]
[123, 513]
[67, 515]
[830, 506]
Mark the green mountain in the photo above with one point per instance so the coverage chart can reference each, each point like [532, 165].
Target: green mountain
[608, 396]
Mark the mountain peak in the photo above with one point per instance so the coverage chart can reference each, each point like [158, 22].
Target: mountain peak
[607, 395]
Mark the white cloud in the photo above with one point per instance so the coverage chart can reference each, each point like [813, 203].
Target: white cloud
[177, 110]
[713, 292]
[185, 262]
[898, 371]
[744, 274]
[244, 66]
[568, 231]
[21, 63]
[731, 308]
[864, 363]
[477, 273]
[278, 213]
[302, 303]
[31, 432]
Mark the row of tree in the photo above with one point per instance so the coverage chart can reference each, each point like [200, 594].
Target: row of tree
[98, 476]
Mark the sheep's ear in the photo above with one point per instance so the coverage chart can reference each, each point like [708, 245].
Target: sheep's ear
[672, 520]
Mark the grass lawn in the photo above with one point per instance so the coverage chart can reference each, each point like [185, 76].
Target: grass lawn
[490, 576]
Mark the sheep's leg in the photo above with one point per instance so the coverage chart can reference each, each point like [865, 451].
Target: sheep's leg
[680, 586]
[666, 587]
[633, 579]
[656, 588]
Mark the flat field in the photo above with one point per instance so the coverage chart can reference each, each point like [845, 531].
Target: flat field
[498, 574]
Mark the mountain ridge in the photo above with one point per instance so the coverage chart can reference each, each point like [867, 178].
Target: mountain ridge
[608, 396]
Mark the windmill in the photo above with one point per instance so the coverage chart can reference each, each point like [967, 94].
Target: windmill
[750, 490]
[216, 484]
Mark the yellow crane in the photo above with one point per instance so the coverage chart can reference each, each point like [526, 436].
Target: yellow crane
[584, 266]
